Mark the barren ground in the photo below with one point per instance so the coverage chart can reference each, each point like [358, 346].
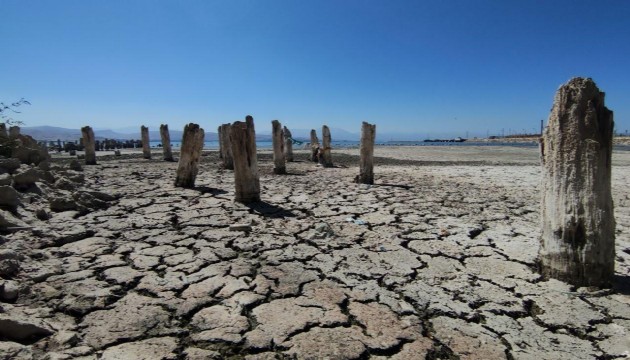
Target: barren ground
[437, 260]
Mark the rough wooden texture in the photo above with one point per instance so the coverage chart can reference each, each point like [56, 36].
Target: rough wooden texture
[578, 226]
[288, 144]
[3, 130]
[366, 164]
[89, 145]
[14, 131]
[243, 142]
[166, 143]
[226, 146]
[220, 144]
[277, 138]
[326, 159]
[188, 166]
[314, 146]
[146, 145]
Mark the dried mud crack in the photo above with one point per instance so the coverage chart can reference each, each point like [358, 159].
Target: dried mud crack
[437, 260]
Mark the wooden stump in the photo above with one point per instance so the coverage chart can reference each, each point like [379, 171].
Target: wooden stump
[578, 225]
[288, 145]
[366, 164]
[89, 145]
[277, 137]
[314, 146]
[326, 159]
[14, 131]
[243, 141]
[226, 146]
[188, 166]
[220, 145]
[166, 143]
[146, 146]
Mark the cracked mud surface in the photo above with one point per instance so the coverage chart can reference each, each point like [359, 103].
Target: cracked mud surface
[442, 266]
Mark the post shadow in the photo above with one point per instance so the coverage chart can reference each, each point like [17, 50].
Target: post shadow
[266, 209]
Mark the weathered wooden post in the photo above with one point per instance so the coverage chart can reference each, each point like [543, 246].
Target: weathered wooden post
[326, 155]
[243, 142]
[220, 144]
[166, 143]
[277, 137]
[188, 166]
[3, 130]
[366, 163]
[146, 146]
[578, 225]
[14, 131]
[314, 146]
[288, 144]
[226, 145]
[89, 145]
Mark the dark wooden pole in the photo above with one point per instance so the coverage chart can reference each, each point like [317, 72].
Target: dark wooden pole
[366, 164]
[188, 166]
[228, 158]
[326, 147]
[146, 146]
[220, 144]
[277, 137]
[166, 143]
[89, 145]
[288, 144]
[314, 146]
[243, 142]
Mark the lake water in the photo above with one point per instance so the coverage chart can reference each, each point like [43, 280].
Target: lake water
[354, 144]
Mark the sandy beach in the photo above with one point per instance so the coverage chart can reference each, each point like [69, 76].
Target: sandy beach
[437, 260]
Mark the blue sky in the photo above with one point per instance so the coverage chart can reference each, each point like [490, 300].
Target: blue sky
[412, 67]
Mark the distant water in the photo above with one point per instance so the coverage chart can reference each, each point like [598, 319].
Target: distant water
[212, 145]
[354, 144]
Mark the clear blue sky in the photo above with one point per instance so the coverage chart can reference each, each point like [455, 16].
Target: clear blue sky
[409, 66]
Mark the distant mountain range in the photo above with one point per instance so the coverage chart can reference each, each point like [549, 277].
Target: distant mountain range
[53, 133]
[305, 134]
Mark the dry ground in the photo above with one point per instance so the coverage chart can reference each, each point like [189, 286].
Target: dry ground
[437, 260]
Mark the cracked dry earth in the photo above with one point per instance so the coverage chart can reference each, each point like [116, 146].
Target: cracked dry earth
[442, 266]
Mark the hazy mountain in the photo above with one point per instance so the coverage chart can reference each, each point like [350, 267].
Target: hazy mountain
[52, 133]
[305, 134]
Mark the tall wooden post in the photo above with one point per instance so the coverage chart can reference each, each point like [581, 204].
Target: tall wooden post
[226, 145]
[14, 131]
[288, 144]
[89, 145]
[3, 130]
[578, 226]
[220, 144]
[166, 143]
[146, 146]
[277, 137]
[326, 154]
[314, 146]
[188, 166]
[366, 164]
[243, 141]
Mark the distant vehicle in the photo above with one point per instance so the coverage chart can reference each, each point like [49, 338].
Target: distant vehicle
[457, 139]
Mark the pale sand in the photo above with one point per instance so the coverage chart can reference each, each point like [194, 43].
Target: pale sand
[443, 266]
